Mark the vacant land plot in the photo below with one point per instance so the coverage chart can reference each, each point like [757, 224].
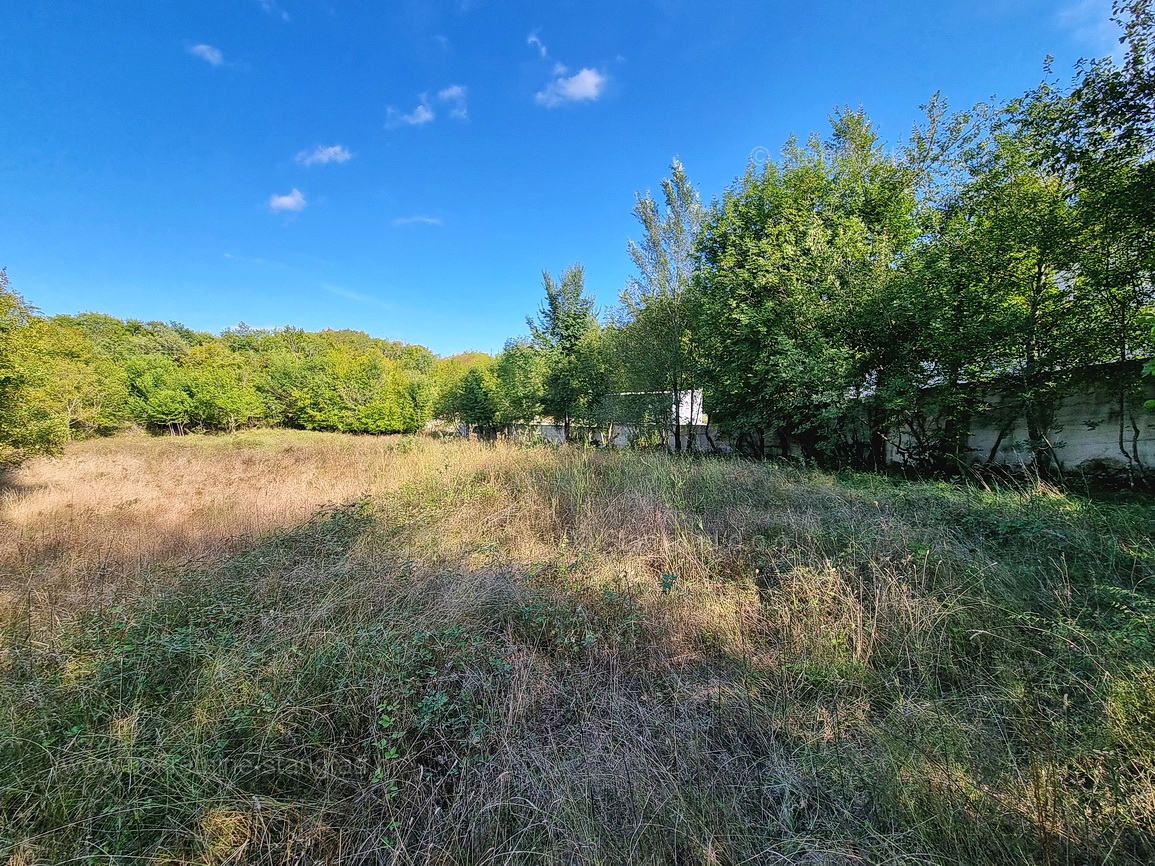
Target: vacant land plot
[309, 648]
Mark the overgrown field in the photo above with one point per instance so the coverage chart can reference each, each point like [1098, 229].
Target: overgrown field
[308, 648]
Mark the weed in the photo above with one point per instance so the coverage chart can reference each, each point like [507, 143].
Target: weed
[515, 655]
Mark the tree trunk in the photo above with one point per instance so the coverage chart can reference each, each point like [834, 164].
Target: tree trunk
[1037, 434]
[1036, 423]
[877, 448]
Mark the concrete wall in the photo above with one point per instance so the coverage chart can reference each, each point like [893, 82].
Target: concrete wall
[1085, 431]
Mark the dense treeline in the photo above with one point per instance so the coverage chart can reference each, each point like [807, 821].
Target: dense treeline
[76, 376]
[827, 299]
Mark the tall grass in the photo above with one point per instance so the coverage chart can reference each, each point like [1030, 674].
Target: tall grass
[292, 648]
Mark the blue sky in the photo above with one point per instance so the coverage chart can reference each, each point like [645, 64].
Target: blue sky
[409, 168]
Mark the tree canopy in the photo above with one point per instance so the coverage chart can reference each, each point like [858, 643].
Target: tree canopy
[845, 302]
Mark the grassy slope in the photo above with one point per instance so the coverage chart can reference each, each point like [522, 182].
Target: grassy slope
[498, 655]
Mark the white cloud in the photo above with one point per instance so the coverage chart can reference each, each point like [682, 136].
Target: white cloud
[417, 220]
[419, 116]
[270, 7]
[293, 202]
[322, 154]
[208, 54]
[536, 42]
[585, 85]
[455, 95]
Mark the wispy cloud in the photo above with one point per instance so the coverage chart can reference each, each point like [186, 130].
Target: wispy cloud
[535, 40]
[455, 95]
[270, 7]
[207, 53]
[585, 85]
[416, 221]
[246, 259]
[342, 292]
[1089, 22]
[293, 202]
[323, 154]
[419, 116]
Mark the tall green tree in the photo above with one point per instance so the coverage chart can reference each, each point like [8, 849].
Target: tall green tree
[520, 380]
[29, 424]
[223, 386]
[1099, 136]
[160, 394]
[478, 403]
[790, 258]
[875, 199]
[562, 333]
[1029, 233]
[659, 347]
[80, 385]
[469, 392]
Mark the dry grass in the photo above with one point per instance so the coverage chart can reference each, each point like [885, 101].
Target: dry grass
[306, 648]
[117, 513]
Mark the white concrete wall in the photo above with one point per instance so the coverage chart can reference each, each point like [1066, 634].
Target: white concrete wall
[1085, 433]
